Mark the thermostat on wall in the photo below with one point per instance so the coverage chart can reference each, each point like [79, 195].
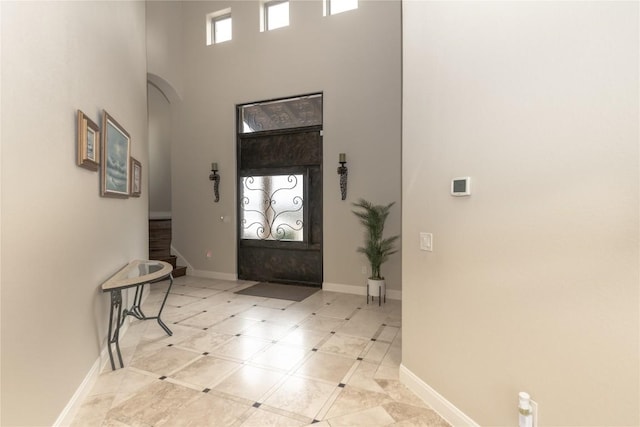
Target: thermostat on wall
[461, 186]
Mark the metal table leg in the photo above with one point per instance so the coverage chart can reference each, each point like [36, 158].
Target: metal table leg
[114, 336]
[136, 311]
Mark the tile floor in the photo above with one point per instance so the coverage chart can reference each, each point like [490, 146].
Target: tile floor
[236, 360]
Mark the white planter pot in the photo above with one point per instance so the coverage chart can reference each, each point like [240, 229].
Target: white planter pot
[376, 287]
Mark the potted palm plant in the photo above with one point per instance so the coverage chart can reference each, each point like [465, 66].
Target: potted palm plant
[376, 248]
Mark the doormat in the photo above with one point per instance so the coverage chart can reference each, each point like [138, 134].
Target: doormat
[279, 291]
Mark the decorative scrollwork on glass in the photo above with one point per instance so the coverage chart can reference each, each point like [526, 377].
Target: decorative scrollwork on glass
[272, 207]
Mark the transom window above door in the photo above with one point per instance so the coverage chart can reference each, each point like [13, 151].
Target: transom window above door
[288, 113]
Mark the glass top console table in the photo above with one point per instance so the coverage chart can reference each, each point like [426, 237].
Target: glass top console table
[135, 274]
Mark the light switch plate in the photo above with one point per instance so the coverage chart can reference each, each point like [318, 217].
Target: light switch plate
[426, 242]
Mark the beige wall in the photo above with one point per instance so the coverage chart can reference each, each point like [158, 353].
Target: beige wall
[354, 58]
[60, 239]
[533, 284]
[164, 46]
[160, 134]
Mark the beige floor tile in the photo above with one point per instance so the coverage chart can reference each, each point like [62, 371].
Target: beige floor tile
[292, 315]
[430, 420]
[399, 392]
[205, 341]
[388, 333]
[301, 396]
[250, 382]
[93, 410]
[195, 291]
[370, 417]
[327, 367]
[345, 345]
[363, 377]
[240, 348]
[268, 330]
[353, 399]
[280, 357]
[303, 338]
[152, 405]
[233, 325]
[360, 328]
[204, 319]
[206, 371]
[181, 300]
[393, 356]
[207, 410]
[322, 324]
[377, 352]
[338, 310]
[261, 418]
[163, 361]
[259, 313]
[154, 332]
[132, 383]
[293, 384]
[387, 373]
[401, 411]
[276, 303]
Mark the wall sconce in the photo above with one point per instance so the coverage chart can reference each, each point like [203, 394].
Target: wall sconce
[343, 172]
[216, 181]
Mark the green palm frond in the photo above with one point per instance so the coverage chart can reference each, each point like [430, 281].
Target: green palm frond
[376, 248]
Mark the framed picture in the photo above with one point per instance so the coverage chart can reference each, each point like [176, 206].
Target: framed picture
[116, 170]
[136, 178]
[88, 142]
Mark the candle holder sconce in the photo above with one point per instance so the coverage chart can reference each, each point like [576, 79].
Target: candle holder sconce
[343, 171]
[216, 181]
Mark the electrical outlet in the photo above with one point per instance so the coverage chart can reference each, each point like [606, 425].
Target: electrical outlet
[364, 269]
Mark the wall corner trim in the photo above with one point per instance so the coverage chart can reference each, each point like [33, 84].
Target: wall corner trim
[358, 290]
[435, 400]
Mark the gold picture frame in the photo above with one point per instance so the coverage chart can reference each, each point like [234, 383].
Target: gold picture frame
[116, 166]
[136, 178]
[88, 143]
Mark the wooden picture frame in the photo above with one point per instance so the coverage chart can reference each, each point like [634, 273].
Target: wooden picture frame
[136, 178]
[88, 143]
[116, 167]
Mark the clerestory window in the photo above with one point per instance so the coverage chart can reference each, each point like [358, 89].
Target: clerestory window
[276, 15]
[219, 27]
[332, 7]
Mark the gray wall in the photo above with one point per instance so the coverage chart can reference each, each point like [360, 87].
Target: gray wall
[60, 239]
[354, 58]
[533, 282]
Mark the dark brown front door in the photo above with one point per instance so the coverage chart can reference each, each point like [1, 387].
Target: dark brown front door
[280, 206]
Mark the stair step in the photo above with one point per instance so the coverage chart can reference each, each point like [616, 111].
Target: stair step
[179, 271]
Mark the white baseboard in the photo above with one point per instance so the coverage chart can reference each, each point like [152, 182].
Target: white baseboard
[71, 409]
[357, 290]
[212, 274]
[181, 260]
[435, 400]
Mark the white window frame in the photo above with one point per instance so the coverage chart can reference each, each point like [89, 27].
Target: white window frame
[327, 10]
[212, 20]
[264, 14]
